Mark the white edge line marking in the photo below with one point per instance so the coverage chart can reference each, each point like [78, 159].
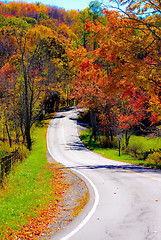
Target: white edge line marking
[87, 218]
[96, 200]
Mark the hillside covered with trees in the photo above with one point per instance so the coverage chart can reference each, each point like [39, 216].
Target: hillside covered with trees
[106, 58]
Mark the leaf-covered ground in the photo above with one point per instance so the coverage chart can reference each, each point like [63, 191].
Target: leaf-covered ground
[73, 196]
[39, 197]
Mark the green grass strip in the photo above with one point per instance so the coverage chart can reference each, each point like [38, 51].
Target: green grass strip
[110, 153]
[113, 154]
[145, 143]
[28, 187]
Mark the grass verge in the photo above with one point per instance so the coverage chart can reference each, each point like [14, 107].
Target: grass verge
[146, 143]
[113, 154]
[30, 188]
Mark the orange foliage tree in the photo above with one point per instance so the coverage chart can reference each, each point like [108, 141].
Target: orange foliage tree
[38, 53]
[127, 53]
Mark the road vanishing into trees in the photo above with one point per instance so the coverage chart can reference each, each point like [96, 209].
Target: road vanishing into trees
[125, 199]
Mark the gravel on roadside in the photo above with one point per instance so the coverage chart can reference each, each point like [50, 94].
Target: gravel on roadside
[73, 201]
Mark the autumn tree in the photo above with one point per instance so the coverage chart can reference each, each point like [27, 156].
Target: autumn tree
[144, 18]
[125, 54]
[38, 50]
[133, 111]
[8, 111]
[38, 53]
[121, 45]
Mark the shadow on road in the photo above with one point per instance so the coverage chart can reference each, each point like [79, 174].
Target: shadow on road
[128, 167]
[77, 146]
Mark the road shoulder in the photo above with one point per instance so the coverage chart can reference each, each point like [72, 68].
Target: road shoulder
[74, 200]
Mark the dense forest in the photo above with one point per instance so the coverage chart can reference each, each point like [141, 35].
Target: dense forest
[106, 58]
[34, 66]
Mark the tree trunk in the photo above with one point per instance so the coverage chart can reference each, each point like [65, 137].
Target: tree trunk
[8, 134]
[21, 126]
[93, 124]
[111, 135]
[84, 39]
[27, 117]
[126, 138]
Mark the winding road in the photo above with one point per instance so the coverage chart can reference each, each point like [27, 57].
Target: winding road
[125, 199]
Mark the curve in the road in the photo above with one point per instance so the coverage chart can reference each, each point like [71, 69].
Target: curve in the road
[128, 205]
[96, 194]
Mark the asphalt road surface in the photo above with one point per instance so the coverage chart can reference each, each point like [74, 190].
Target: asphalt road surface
[125, 199]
